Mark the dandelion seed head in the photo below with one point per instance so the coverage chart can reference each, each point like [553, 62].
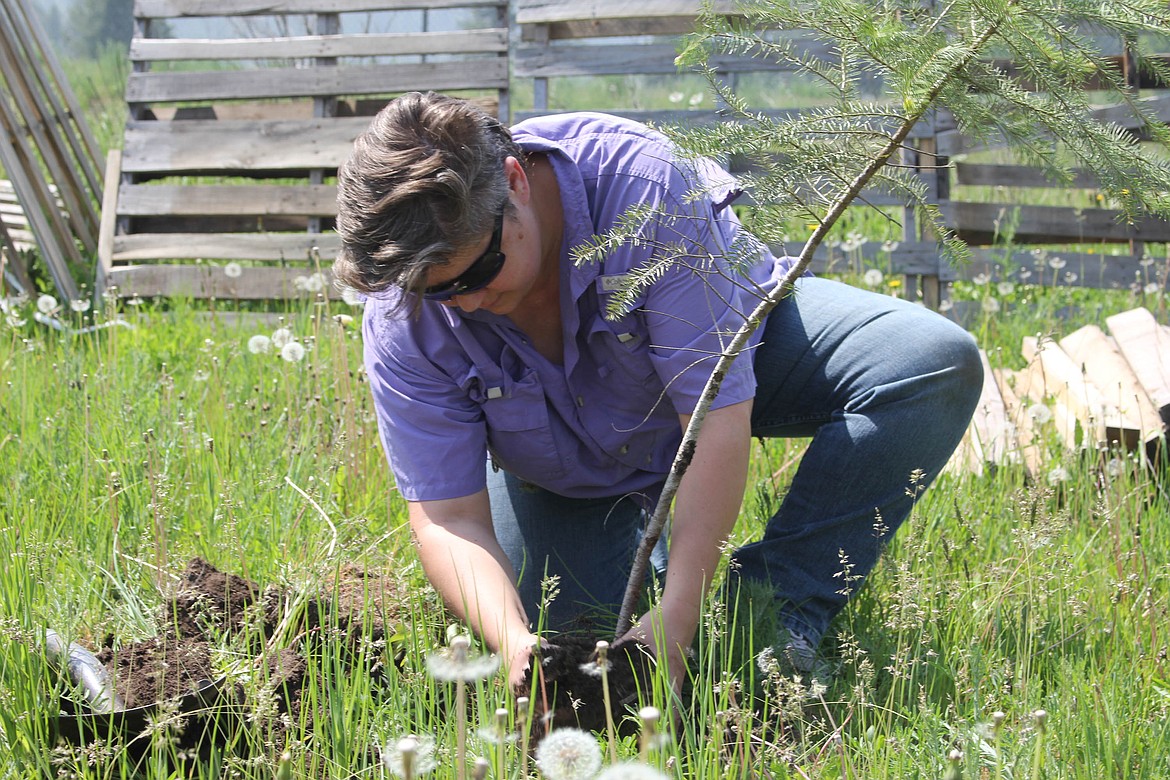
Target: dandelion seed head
[418, 752]
[1146, 261]
[676, 97]
[889, 246]
[1056, 263]
[344, 320]
[293, 352]
[259, 344]
[632, 770]
[281, 336]
[981, 280]
[456, 664]
[873, 277]
[1153, 288]
[13, 320]
[299, 283]
[315, 282]
[200, 375]
[1056, 476]
[1040, 413]
[946, 305]
[569, 754]
[1005, 288]
[1113, 467]
[990, 305]
[46, 304]
[352, 297]
[696, 99]
[79, 305]
[233, 270]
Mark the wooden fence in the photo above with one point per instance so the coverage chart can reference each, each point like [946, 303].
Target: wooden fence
[233, 144]
[562, 42]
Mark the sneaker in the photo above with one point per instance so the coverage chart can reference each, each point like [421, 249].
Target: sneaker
[798, 657]
[799, 651]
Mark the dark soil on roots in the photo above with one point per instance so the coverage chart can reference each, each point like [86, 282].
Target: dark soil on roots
[567, 689]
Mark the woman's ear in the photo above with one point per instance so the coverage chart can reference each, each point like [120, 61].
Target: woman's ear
[517, 179]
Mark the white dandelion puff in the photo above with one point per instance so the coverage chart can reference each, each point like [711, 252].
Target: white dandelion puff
[1153, 288]
[981, 279]
[1040, 413]
[569, 754]
[1146, 261]
[13, 320]
[352, 297]
[696, 99]
[1058, 475]
[280, 337]
[46, 304]
[632, 770]
[1056, 263]
[201, 375]
[946, 305]
[1070, 277]
[315, 283]
[79, 305]
[300, 282]
[1005, 288]
[990, 305]
[344, 320]
[410, 756]
[293, 352]
[889, 246]
[455, 663]
[873, 277]
[1113, 467]
[233, 270]
[259, 344]
[676, 97]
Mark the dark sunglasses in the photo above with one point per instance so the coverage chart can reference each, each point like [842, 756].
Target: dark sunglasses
[478, 275]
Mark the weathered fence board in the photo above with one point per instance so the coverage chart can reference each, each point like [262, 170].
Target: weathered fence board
[317, 82]
[349, 45]
[264, 122]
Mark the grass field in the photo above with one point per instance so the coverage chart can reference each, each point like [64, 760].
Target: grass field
[127, 451]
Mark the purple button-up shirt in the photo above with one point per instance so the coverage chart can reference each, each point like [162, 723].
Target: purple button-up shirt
[450, 388]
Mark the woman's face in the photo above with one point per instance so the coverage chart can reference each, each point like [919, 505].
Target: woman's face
[520, 243]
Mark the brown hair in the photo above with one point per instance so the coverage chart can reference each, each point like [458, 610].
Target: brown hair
[424, 181]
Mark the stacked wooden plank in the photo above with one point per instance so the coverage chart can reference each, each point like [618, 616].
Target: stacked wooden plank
[233, 144]
[46, 150]
[1091, 391]
[586, 54]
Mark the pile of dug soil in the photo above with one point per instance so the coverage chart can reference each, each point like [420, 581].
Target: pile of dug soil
[210, 608]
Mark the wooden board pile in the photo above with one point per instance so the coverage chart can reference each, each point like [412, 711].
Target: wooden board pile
[1091, 391]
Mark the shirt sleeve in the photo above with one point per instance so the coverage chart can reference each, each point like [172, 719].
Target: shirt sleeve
[432, 431]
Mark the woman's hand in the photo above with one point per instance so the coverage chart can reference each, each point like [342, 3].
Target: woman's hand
[658, 635]
[517, 658]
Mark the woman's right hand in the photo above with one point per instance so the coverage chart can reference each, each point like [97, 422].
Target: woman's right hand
[518, 657]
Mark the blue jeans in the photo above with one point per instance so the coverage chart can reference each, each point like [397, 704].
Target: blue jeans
[885, 389]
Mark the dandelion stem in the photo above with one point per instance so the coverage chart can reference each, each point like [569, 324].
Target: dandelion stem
[610, 731]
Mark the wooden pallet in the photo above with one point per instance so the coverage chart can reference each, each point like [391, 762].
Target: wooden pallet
[233, 145]
[47, 152]
[1091, 391]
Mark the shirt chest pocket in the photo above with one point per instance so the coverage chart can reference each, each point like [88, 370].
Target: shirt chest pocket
[622, 350]
[519, 429]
